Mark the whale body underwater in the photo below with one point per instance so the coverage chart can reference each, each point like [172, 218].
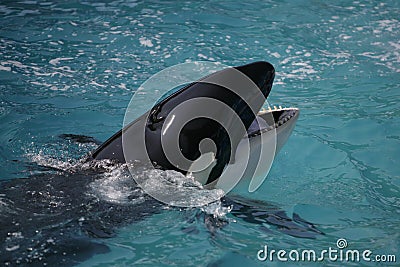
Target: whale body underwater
[53, 217]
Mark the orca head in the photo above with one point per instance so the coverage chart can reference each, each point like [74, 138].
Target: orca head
[207, 117]
[204, 123]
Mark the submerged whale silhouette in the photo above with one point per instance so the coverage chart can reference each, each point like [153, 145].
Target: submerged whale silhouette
[55, 218]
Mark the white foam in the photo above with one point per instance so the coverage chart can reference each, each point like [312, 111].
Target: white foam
[202, 56]
[216, 209]
[12, 248]
[174, 188]
[5, 204]
[5, 68]
[145, 42]
[96, 84]
[118, 187]
[276, 54]
[18, 64]
[42, 159]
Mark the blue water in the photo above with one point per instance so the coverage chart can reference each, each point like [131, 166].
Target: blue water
[72, 67]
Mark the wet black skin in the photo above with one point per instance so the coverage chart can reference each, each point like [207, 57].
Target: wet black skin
[261, 73]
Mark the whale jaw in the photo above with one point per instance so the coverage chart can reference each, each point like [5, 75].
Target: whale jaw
[261, 145]
[283, 120]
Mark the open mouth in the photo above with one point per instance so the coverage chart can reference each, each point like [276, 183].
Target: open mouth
[269, 119]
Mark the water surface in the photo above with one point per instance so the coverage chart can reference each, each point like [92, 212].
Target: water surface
[72, 67]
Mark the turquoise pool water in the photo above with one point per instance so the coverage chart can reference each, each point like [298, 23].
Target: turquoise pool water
[72, 67]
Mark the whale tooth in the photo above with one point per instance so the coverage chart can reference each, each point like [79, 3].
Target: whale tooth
[274, 107]
[280, 107]
[269, 109]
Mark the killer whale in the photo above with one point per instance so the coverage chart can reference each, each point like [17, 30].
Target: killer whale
[50, 205]
[246, 99]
